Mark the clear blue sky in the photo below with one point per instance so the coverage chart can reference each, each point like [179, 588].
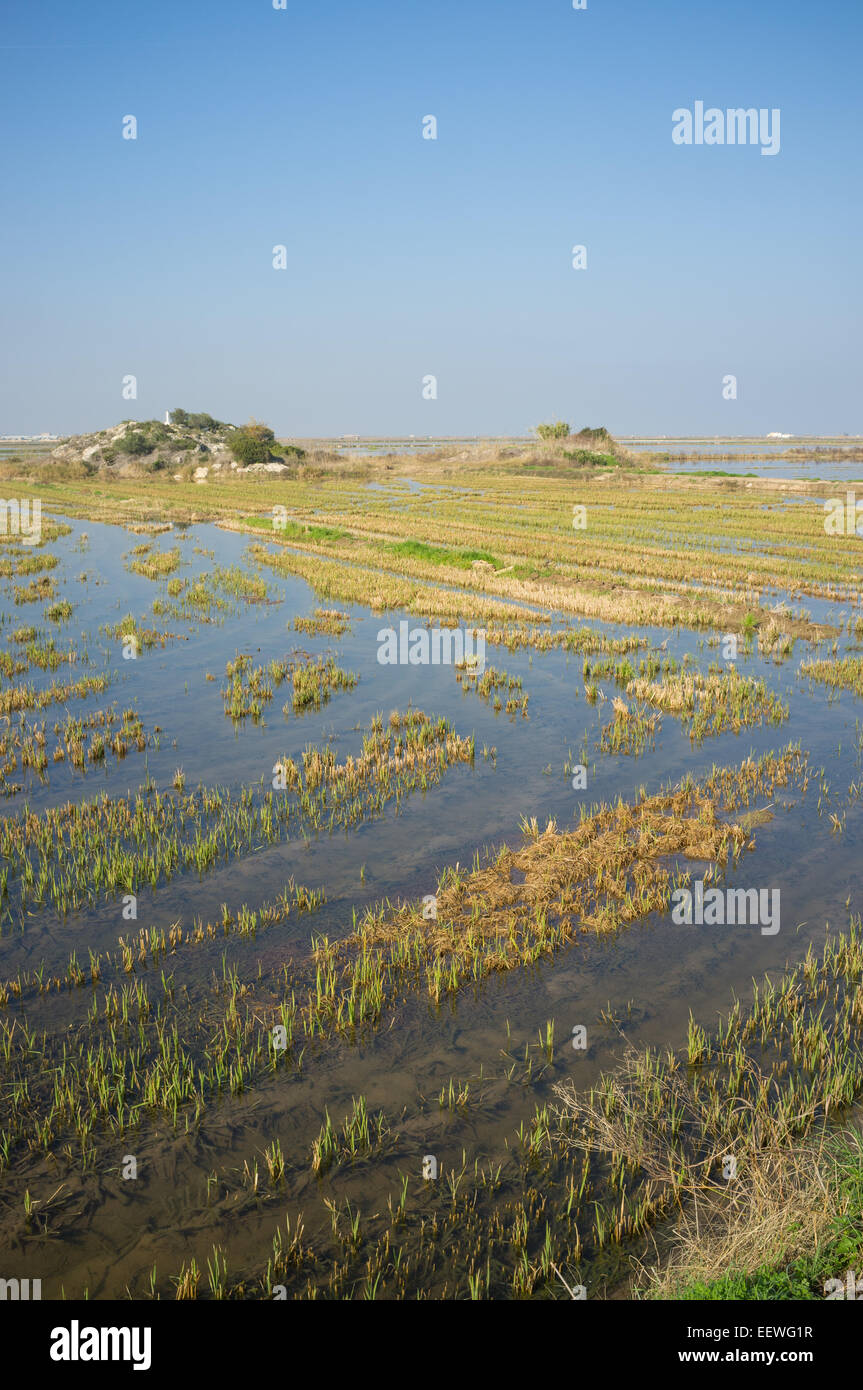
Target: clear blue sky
[409, 257]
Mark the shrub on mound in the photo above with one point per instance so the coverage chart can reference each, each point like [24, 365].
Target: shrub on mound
[252, 443]
[559, 430]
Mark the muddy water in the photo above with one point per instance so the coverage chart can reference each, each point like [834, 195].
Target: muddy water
[105, 1235]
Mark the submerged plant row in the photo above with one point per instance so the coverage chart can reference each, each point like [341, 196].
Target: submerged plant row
[80, 852]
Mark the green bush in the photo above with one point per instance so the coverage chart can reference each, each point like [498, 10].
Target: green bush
[201, 421]
[559, 430]
[141, 439]
[252, 443]
[134, 442]
[587, 456]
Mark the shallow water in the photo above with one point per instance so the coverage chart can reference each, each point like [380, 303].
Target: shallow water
[764, 465]
[650, 976]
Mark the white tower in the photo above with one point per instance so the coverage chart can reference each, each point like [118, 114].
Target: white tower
[167, 417]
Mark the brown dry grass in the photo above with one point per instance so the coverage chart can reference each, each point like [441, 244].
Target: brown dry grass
[607, 872]
[783, 1203]
[783, 1206]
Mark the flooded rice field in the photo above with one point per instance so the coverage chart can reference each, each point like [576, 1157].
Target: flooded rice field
[308, 956]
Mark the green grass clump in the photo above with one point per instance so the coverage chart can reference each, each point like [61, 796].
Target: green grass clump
[314, 682]
[35, 591]
[846, 673]
[328, 620]
[717, 473]
[587, 456]
[295, 530]
[155, 564]
[59, 612]
[439, 555]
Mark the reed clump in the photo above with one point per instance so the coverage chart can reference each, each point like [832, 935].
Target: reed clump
[845, 673]
[219, 593]
[328, 620]
[631, 730]
[154, 564]
[313, 682]
[497, 687]
[36, 591]
[130, 630]
[25, 697]
[361, 1135]
[107, 732]
[712, 703]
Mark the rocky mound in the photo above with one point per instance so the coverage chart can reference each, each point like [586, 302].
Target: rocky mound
[188, 446]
